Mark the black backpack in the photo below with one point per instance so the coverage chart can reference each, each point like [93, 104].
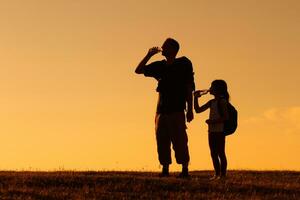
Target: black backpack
[230, 125]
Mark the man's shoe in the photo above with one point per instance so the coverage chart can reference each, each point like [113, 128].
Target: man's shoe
[184, 175]
[164, 174]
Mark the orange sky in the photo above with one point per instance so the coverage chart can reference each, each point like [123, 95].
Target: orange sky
[70, 99]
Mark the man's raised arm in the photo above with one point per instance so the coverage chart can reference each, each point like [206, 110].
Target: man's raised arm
[140, 69]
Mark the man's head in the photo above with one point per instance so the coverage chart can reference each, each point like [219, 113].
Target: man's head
[170, 48]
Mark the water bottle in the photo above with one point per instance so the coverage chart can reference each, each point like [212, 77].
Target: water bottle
[199, 93]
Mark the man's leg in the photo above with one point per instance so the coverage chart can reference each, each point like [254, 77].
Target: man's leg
[163, 143]
[180, 141]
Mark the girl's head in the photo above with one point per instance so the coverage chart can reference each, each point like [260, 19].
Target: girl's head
[219, 88]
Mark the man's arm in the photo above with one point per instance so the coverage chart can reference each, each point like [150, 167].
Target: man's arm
[190, 88]
[189, 99]
[140, 69]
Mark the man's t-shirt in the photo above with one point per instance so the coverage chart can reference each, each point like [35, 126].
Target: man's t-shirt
[173, 82]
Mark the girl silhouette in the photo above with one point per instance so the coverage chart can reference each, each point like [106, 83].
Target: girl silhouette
[217, 116]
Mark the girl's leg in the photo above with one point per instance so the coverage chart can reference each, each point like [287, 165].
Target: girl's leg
[221, 153]
[212, 139]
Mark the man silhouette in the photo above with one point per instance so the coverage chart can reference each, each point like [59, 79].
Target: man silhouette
[175, 87]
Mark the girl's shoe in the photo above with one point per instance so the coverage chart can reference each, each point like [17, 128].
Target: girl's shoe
[215, 177]
[222, 178]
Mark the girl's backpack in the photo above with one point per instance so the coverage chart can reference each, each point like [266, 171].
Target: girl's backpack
[230, 125]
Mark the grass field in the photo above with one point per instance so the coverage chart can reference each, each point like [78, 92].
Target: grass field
[147, 185]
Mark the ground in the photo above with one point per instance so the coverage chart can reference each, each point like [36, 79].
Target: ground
[147, 185]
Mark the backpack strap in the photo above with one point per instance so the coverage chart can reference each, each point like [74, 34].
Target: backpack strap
[219, 106]
[210, 102]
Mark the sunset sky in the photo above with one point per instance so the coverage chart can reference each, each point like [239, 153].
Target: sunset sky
[69, 97]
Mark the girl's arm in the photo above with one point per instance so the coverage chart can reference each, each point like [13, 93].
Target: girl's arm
[198, 108]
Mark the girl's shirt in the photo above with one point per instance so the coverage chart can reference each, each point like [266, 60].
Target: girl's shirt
[215, 114]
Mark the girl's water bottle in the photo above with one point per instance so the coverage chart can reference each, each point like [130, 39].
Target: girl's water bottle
[199, 93]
